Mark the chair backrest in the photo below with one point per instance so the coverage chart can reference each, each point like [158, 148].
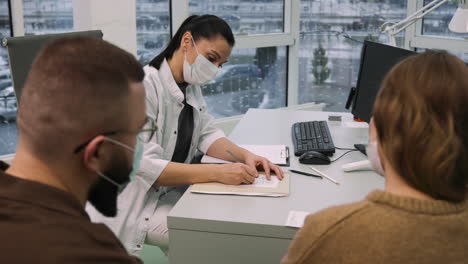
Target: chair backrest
[23, 50]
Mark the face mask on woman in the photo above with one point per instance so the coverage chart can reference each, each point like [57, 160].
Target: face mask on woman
[201, 71]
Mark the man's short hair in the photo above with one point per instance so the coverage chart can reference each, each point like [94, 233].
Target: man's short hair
[77, 88]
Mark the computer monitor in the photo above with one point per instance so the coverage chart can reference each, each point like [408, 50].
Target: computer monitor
[376, 60]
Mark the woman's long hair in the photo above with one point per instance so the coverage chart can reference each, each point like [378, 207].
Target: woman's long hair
[205, 26]
[421, 117]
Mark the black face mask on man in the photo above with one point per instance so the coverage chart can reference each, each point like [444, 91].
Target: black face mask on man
[103, 194]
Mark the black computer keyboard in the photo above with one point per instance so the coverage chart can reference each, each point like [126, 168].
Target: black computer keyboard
[313, 135]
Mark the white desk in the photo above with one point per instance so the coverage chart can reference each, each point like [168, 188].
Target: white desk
[240, 229]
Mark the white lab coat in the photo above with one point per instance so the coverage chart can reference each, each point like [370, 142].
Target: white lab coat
[138, 202]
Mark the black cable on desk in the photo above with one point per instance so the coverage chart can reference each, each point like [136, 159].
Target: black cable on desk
[343, 154]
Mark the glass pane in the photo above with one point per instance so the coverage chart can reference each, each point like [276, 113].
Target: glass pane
[253, 78]
[245, 16]
[8, 134]
[331, 39]
[47, 16]
[153, 28]
[436, 23]
[40, 17]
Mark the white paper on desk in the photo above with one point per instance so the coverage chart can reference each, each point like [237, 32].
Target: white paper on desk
[296, 218]
[262, 187]
[263, 182]
[274, 153]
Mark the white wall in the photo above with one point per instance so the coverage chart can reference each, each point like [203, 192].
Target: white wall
[116, 19]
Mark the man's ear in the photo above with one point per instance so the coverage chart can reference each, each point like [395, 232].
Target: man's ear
[91, 157]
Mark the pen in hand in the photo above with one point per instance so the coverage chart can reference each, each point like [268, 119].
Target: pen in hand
[236, 159]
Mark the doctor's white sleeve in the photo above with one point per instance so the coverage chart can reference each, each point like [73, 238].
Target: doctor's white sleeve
[209, 133]
[152, 163]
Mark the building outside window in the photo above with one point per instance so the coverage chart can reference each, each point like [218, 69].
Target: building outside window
[331, 36]
[253, 77]
[153, 28]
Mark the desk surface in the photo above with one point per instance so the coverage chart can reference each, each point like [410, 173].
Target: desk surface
[266, 216]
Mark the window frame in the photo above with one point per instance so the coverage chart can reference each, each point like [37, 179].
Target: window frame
[170, 24]
[11, 11]
[415, 39]
[16, 17]
[179, 10]
[10, 17]
[17, 29]
[289, 39]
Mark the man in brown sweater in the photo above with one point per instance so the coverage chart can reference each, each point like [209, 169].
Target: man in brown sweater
[80, 112]
[419, 141]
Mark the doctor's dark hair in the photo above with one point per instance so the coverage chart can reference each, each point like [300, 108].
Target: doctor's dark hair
[204, 26]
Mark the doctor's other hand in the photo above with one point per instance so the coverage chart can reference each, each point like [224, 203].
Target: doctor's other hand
[236, 173]
[255, 161]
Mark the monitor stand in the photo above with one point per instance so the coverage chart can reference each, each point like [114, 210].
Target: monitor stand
[350, 100]
[362, 148]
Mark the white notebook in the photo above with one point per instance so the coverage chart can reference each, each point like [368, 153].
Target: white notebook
[261, 187]
[277, 154]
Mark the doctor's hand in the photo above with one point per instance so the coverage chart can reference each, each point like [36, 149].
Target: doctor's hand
[257, 162]
[236, 173]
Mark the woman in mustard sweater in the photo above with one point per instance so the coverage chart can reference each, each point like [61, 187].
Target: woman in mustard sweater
[419, 142]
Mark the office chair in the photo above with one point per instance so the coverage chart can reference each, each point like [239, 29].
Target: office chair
[23, 50]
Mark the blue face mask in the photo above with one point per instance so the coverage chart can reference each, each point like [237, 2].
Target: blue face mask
[137, 157]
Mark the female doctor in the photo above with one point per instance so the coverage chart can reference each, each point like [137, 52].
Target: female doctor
[175, 103]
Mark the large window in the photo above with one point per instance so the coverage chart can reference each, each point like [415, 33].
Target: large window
[287, 51]
[153, 28]
[436, 23]
[256, 75]
[47, 16]
[40, 17]
[253, 78]
[245, 16]
[331, 35]
[8, 134]
[432, 31]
